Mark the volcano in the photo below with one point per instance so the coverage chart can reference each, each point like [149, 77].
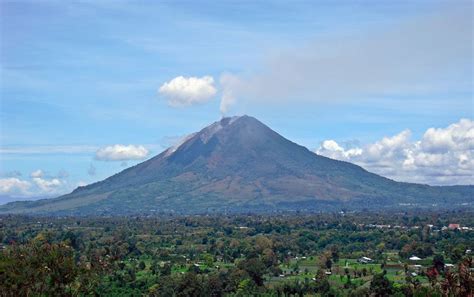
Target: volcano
[238, 164]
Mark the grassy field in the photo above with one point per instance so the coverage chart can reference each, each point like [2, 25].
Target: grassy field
[359, 273]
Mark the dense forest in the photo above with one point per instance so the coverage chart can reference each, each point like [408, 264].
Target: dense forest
[289, 254]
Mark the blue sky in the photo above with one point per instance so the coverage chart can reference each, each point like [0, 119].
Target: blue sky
[81, 76]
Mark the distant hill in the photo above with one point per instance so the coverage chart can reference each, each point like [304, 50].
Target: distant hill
[239, 164]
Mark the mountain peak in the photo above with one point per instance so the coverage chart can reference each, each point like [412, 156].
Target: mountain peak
[212, 129]
[229, 120]
[224, 121]
[240, 164]
[209, 131]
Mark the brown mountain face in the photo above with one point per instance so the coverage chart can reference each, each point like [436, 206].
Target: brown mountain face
[239, 164]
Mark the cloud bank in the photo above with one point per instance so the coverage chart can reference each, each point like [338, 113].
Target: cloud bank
[40, 184]
[14, 186]
[185, 91]
[442, 156]
[47, 186]
[121, 152]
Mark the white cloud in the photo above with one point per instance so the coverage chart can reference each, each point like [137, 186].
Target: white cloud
[48, 185]
[185, 91]
[333, 150]
[37, 173]
[458, 136]
[39, 185]
[441, 156]
[14, 186]
[121, 152]
[389, 147]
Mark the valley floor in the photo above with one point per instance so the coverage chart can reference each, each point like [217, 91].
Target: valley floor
[339, 254]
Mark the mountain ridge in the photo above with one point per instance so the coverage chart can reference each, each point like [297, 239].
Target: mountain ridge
[240, 164]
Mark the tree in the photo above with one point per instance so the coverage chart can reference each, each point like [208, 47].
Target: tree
[457, 253]
[166, 287]
[432, 274]
[262, 243]
[380, 285]
[381, 247]
[39, 268]
[208, 259]
[466, 281]
[269, 258]
[255, 269]
[154, 267]
[328, 263]
[438, 262]
[335, 253]
[190, 285]
[364, 271]
[245, 288]
[322, 283]
[166, 269]
[216, 284]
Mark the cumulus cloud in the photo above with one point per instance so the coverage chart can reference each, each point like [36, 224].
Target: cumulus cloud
[389, 147]
[17, 188]
[424, 54]
[442, 155]
[185, 91]
[38, 185]
[333, 150]
[458, 136]
[47, 186]
[37, 173]
[121, 152]
[14, 186]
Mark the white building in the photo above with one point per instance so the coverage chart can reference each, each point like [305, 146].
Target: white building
[365, 260]
[414, 258]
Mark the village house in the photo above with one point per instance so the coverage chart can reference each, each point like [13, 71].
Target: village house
[454, 226]
[365, 260]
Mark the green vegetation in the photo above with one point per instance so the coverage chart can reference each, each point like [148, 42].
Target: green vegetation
[286, 255]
